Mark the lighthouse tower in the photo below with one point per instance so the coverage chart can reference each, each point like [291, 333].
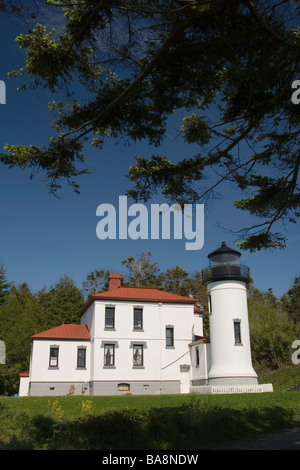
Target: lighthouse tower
[226, 281]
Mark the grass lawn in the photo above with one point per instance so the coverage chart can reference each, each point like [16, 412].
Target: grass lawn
[166, 422]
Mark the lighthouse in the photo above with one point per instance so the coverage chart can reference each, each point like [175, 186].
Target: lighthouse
[226, 280]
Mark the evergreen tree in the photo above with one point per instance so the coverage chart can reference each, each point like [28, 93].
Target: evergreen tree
[291, 301]
[228, 65]
[271, 331]
[64, 303]
[177, 281]
[4, 284]
[20, 317]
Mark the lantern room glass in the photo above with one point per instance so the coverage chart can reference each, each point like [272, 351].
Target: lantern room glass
[226, 258]
[225, 265]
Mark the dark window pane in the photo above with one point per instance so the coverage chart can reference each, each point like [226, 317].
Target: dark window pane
[109, 317]
[138, 318]
[53, 359]
[169, 337]
[237, 332]
[81, 354]
[109, 354]
[138, 355]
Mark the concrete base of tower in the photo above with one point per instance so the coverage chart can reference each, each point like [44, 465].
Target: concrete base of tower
[252, 380]
[233, 388]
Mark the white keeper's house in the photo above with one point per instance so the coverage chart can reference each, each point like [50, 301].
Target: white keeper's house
[147, 341]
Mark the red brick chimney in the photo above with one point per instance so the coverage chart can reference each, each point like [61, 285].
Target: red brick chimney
[114, 281]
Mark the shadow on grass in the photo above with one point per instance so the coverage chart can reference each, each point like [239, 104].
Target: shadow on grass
[188, 427]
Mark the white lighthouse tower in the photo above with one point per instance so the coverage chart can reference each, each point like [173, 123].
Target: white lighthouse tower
[221, 363]
[226, 281]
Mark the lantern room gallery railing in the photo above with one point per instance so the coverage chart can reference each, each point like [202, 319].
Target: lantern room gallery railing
[226, 272]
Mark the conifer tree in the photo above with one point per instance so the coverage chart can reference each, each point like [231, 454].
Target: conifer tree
[230, 66]
[4, 284]
[65, 302]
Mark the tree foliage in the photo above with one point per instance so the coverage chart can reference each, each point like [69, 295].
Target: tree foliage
[65, 302]
[4, 284]
[271, 330]
[228, 64]
[142, 272]
[20, 316]
[291, 301]
[23, 314]
[96, 281]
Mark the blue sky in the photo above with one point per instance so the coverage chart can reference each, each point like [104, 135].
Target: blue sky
[42, 237]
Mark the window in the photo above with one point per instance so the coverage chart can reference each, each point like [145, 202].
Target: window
[109, 354]
[138, 355]
[197, 357]
[123, 387]
[209, 304]
[81, 356]
[137, 318]
[237, 331]
[110, 317]
[169, 336]
[53, 359]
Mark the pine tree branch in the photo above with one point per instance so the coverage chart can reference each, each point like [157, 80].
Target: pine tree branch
[265, 26]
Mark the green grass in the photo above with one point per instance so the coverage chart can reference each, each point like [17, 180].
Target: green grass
[283, 378]
[166, 422]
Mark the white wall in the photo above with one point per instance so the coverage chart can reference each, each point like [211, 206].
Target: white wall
[67, 361]
[23, 386]
[229, 303]
[160, 363]
[198, 325]
[200, 372]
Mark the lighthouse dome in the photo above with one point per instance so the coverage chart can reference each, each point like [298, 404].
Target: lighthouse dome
[224, 255]
[225, 265]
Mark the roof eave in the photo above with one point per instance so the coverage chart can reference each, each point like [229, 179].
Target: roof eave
[185, 301]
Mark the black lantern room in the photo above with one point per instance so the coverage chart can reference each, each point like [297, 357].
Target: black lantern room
[225, 265]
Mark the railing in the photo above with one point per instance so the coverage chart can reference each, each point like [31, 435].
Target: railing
[234, 388]
[224, 389]
[226, 271]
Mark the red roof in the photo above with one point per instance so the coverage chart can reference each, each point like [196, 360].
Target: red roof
[200, 340]
[140, 294]
[70, 332]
